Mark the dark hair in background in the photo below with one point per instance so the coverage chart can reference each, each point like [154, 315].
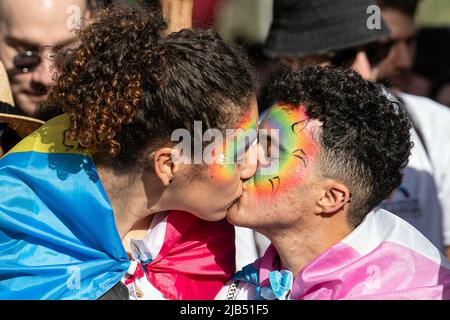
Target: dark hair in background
[8, 137]
[365, 139]
[103, 4]
[127, 87]
[408, 7]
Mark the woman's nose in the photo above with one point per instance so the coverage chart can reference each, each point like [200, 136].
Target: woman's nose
[248, 167]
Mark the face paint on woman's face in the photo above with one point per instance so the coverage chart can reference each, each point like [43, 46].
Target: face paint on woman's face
[234, 148]
[212, 191]
[294, 145]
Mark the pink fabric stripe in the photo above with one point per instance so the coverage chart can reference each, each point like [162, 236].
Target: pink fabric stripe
[391, 271]
[196, 259]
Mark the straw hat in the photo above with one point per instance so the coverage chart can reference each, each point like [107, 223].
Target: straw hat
[22, 125]
[5, 90]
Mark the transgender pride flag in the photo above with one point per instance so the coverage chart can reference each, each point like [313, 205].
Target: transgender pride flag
[384, 258]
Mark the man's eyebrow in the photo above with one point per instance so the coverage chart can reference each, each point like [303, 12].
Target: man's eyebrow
[300, 125]
[64, 43]
[16, 42]
[13, 41]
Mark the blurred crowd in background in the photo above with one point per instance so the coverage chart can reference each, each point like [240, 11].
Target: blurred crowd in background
[422, 64]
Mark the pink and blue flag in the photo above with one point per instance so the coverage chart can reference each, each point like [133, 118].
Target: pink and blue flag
[383, 258]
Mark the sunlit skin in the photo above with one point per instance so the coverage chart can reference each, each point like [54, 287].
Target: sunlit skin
[207, 190]
[268, 192]
[297, 150]
[398, 64]
[301, 212]
[234, 148]
[213, 190]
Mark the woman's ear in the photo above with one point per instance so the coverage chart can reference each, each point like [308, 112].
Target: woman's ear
[334, 198]
[164, 164]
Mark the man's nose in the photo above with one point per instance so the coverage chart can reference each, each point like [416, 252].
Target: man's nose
[363, 67]
[43, 73]
[403, 55]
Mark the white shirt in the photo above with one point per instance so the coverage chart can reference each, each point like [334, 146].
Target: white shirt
[145, 251]
[423, 199]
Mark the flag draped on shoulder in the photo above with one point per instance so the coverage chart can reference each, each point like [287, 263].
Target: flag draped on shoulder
[58, 238]
[383, 258]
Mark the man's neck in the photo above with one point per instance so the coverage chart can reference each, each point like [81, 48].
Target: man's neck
[298, 246]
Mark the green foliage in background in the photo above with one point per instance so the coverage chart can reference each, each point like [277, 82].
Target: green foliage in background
[434, 13]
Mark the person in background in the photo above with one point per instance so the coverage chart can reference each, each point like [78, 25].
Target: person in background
[13, 127]
[30, 30]
[429, 177]
[397, 67]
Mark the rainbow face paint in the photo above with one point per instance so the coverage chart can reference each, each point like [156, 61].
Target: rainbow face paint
[286, 140]
[233, 149]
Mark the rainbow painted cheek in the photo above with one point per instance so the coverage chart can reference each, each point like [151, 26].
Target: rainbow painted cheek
[234, 149]
[296, 151]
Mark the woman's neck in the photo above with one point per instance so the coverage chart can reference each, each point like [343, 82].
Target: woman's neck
[133, 204]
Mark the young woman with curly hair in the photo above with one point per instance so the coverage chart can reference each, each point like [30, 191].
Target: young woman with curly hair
[95, 198]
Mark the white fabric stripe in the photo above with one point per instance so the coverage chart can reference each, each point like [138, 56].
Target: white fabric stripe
[154, 239]
[381, 225]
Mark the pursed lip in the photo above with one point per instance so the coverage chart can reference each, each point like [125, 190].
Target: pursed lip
[238, 197]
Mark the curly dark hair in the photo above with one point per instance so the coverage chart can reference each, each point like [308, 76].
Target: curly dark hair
[365, 135]
[127, 86]
[408, 7]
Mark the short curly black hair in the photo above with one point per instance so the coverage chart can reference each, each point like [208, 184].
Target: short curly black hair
[365, 134]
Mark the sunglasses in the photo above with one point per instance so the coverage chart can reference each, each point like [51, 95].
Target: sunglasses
[375, 52]
[28, 60]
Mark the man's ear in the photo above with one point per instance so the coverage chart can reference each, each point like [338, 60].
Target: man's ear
[334, 198]
[164, 164]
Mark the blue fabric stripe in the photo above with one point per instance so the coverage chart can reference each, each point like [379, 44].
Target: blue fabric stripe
[56, 227]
